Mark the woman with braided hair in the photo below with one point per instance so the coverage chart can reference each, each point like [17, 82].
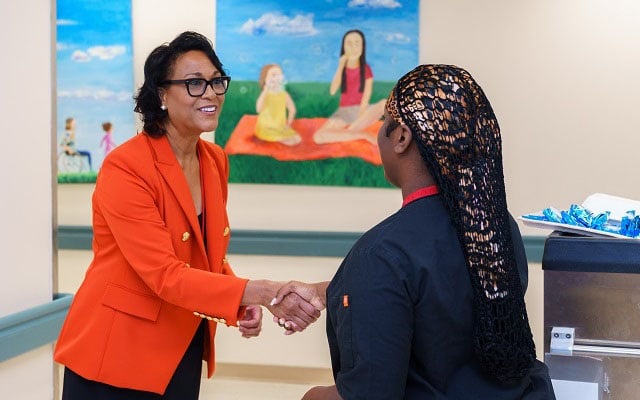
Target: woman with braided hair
[429, 304]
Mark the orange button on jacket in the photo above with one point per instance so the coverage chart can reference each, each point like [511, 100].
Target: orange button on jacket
[132, 318]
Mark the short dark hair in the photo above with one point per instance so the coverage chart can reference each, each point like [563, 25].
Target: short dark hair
[391, 126]
[158, 68]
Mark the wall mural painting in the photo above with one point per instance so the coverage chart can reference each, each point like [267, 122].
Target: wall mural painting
[308, 86]
[94, 84]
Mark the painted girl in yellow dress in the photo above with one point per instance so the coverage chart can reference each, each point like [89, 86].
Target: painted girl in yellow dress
[275, 108]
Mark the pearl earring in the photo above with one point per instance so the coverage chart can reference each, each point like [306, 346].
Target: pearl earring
[163, 107]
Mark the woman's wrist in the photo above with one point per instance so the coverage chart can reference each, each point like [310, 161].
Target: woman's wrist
[260, 292]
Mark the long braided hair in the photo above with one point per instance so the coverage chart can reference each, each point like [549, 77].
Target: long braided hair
[459, 140]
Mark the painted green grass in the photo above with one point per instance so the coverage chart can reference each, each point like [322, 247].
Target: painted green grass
[312, 100]
[77, 177]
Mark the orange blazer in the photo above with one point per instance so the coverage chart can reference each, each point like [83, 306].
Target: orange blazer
[151, 281]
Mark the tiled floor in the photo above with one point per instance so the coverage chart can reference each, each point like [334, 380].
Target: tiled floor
[245, 382]
[241, 389]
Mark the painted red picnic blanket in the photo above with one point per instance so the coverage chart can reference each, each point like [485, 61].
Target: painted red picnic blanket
[244, 141]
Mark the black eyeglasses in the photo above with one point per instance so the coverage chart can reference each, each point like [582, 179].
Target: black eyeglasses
[197, 86]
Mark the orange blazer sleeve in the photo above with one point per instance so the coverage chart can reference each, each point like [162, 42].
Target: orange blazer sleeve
[149, 214]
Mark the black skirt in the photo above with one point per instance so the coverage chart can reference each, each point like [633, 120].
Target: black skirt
[184, 385]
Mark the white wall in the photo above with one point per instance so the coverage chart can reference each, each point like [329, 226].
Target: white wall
[26, 123]
[25, 165]
[562, 76]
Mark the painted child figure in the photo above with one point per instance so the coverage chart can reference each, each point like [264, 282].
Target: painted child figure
[354, 78]
[276, 110]
[107, 140]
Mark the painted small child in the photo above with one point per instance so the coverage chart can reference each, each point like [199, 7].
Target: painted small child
[276, 110]
[107, 139]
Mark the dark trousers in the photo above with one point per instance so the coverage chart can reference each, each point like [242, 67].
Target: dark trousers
[184, 385]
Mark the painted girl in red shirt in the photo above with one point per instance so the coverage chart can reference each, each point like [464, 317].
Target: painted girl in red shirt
[355, 79]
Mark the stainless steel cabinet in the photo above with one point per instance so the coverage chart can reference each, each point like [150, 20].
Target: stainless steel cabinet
[592, 316]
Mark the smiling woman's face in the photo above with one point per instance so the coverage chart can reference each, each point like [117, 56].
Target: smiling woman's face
[189, 115]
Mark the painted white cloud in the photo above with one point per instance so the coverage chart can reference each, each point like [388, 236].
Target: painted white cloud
[397, 38]
[61, 46]
[124, 96]
[95, 94]
[66, 22]
[106, 52]
[374, 3]
[99, 52]
[80, 56]
[278, 24]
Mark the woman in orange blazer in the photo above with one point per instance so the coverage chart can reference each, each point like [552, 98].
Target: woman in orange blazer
[145, 315]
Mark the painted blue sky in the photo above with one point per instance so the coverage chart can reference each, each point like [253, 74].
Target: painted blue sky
[95, 70]
[304, 37]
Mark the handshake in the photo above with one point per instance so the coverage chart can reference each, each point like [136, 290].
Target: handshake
[295, 305]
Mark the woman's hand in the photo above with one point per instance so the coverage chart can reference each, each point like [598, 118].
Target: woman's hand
[251, 324]
[311, 293]
[297, 311]
[293, 308]
[314, 293]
